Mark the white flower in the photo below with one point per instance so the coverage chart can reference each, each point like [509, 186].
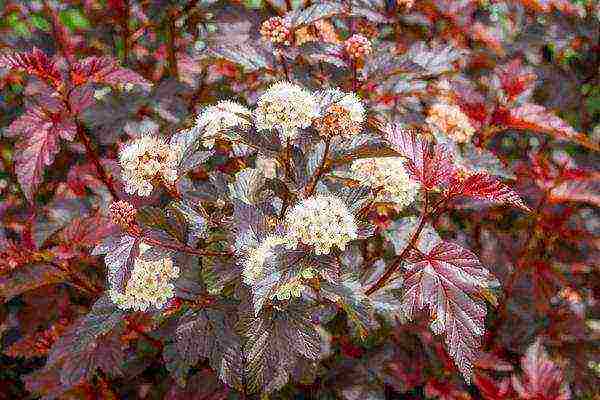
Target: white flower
[224, 115]
[144, 159]
[450, 119]
[351, 102]
[388, 177]
[149, 284]
[288, 107]
[321, 221]
[255, 260]
[344, 116]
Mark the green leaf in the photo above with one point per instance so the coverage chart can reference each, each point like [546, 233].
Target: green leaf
[74, 19]
[253, 4]
[17, 25]
[40, 22]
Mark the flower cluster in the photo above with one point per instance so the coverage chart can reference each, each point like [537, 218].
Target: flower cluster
[357, 46]
[254, 262]
[145, 159]
[149, 284]
[277, 30]
[288, 107]
[450, 119]
[321, 221]
[388, 177]
[344, 117]
[122, 213]
[224, 115]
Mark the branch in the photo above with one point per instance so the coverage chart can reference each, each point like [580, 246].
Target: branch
[320, 170]
[91, 154]
[186, 249]
[411, 243]
[171, 49]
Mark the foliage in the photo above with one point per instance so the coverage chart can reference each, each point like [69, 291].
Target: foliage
[182, 217]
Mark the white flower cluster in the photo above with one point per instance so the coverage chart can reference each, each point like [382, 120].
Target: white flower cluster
[288, 107]
[224, 115]
[388, 177]
[450, 119]
[344, 117]
[149, 284]
[321, 221]
[254, 262]
[145, 159]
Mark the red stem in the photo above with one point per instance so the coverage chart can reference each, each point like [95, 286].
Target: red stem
[185, 249]
[91, 154]
[320, 170]
[410, 245]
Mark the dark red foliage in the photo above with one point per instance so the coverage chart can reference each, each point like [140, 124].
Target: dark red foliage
[484, 286]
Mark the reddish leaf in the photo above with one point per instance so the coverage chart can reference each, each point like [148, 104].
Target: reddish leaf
[37, 344]
[34, 63]
[565, 6]
[585, 189]
[91, 342]
[105, 70]
[481, 186]
[542, 379]
[537, 118]
[41, 130]
[29, 278]
[444, 390]
[430, 165]
[492, 390]
[449, 280]
[515, 81]
[203, 385]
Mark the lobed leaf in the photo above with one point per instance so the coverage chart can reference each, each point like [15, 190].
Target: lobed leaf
[481, 186]
[40, 130]
[537, 118]
[449, 281]
[106, 70]
[206, 334]
[276, 341]
[430, 165]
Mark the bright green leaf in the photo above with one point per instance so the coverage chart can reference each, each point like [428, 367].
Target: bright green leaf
[74, 19]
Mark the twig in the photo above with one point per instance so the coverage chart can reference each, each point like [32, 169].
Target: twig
[411, 243]
[185, 249]
[171, 48]
[320, 170]
[91, 154]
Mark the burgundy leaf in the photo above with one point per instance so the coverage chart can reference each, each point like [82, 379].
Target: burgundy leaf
[105, 70]
[542, 379]
[584, 189]
[515, 81]
[481, 186]
[203, 385]
[449, 280]
[41, 131]
[28, 278]
[34, 63]
[565, 6]
[431, 165]
[537, 118]
[492, 390]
